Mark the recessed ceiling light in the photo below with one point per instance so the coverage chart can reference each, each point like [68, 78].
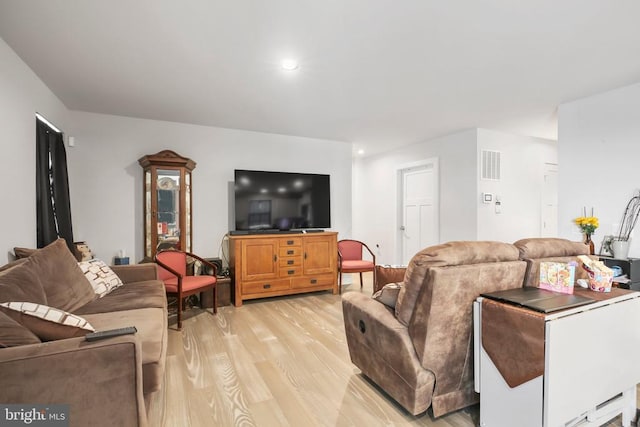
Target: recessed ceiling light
[290, 64]
[361, 151]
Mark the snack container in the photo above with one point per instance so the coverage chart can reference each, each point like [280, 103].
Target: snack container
[600, 276]
[600, 281]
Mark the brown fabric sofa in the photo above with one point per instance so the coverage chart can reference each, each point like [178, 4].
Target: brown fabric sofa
[546, 249]
[421, 353]
[104, 382]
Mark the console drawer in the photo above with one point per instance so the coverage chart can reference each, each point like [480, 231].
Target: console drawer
[290, 251]
[291, 241]
[313, 281]
[290, 271]
[265, 286]
[291, 261]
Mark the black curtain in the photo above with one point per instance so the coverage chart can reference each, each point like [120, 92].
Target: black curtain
[52, 187]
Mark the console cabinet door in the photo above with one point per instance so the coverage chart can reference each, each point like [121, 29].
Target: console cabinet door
[260, 259]
[319, 255]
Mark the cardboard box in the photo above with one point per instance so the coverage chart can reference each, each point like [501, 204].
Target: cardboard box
[557, 276]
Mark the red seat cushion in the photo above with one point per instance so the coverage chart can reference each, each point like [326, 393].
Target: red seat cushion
[356, 266]
[189, 283]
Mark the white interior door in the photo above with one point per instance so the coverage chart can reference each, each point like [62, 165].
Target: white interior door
[419, 227]
[549, 223]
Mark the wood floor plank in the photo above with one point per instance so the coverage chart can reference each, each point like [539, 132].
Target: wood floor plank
[268, 413]
[176, 409]
[277, 362]
[256, 390]
[195, 349]
[233, 409]
[287, 395]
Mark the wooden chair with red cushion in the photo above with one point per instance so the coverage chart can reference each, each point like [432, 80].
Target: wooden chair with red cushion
[351, 260]
[172, 271]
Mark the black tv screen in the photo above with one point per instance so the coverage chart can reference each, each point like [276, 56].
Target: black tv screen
[281, 200]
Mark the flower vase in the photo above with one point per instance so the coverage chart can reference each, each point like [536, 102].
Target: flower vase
[589, 242]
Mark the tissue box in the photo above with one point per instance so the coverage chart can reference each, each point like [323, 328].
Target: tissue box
[557, 276]
[121, 260]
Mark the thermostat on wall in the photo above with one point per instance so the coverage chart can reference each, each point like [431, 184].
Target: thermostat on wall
[487, 197]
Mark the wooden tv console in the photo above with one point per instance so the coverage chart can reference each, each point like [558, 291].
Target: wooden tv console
[268, 265]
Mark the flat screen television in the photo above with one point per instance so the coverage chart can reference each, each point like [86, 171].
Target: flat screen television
[281, 201]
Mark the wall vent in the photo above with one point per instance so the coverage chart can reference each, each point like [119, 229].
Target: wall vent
[490, 165]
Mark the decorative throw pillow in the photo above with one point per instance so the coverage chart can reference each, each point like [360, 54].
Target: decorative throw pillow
[14, 334]
[57, 269]
[46, 322]
[23, 252]
[21, 283]
[13, 264]
[102, 278]
[388, 295]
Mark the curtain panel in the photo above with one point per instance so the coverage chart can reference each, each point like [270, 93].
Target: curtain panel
[52, 188]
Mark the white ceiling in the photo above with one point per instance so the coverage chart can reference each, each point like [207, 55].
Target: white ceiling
[377, 73]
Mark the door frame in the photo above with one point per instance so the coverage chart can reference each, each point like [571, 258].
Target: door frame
[400, 169]
[547, 167]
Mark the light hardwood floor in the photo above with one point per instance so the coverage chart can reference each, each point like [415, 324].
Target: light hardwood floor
[276, 362]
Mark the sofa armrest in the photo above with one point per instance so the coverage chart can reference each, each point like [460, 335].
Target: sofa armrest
[101, 381]
[136, 272]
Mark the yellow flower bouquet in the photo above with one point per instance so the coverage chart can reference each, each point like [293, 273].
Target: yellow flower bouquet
[587, 224]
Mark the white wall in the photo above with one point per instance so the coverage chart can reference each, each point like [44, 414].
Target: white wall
[106, 194]
[22, 95]
[599, 154]
[376, 197]
[519, 189]
[462, 214]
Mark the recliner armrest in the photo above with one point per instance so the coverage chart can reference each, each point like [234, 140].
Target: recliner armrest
[101, 381]
[380, 346]
[374, 324]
